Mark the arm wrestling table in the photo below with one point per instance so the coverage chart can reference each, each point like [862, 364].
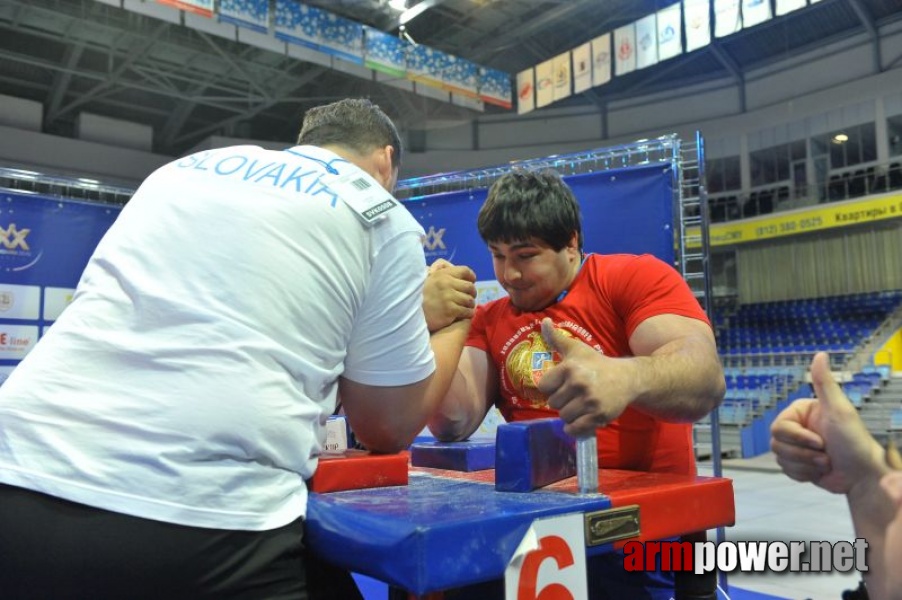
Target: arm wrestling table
[447, 529]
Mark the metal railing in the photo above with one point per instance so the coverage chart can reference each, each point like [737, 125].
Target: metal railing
[24, 181]
[847, 184]
[641, 152]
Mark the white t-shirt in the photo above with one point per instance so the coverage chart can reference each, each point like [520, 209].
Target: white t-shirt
[191, 376]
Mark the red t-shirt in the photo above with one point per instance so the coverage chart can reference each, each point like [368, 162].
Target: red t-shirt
[610, 296]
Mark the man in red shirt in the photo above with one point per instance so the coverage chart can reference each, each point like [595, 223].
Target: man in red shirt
[628, 352]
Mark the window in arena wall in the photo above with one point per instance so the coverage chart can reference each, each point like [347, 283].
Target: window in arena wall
[722, 174]
[774, 164]
[849, 146]
[894, 133]
[724, 183]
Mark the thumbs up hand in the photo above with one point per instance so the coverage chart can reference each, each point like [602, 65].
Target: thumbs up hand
[587, 388]
[823, 440]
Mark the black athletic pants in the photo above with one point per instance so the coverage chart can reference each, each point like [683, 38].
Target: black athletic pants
[52, 549]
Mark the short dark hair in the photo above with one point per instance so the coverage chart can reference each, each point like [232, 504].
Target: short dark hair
[524, 204]
[354, 123]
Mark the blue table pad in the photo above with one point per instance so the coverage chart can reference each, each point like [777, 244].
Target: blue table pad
[434, 534]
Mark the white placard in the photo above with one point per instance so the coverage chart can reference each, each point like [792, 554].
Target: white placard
[582, 68]
[601, 59]
[55, 300]
[646, 41]
[697, 20]
[625, 49]
[336, 434]
[526, 91]
[562, 85]
[727, 17]
[755, 12]
[670, 39]
[20, 301]
[552, 553]
[544, 83]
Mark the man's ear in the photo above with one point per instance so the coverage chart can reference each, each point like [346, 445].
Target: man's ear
[385, 166]
[573, 244]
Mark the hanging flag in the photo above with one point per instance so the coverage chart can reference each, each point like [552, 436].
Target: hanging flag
[526, 91]
[670, 32]
[544, 83]
[696, 18]
[670, 40]
[755, 12]
[625, 49]
[787, 6]
[582, 68]
[562, 76]
[646, 41]
[727, 17]
[601, 59]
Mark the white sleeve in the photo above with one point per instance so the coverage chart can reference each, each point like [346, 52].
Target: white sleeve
[390, 342]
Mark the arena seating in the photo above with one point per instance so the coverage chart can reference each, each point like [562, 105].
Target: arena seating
[836, 324]
[766, 349]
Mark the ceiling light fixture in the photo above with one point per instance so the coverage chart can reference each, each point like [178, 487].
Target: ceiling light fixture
[839, 138]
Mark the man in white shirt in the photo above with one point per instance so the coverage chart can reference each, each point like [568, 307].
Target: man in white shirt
[156, 442]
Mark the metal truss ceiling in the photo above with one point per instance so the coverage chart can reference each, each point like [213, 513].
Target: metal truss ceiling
[83, 55]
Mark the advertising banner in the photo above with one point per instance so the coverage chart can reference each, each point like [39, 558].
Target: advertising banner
[203, 8]
[623, 210]
[45, 244]
[697, 20]
[838, 214]
[252, 14]
[625, 49]
[646, 41]
[495, 87]
[526, 87]
[755, 12]
[727, 17]
[562, 76]
[582, 68]
[544, 83]
[601, 59]
[670, 40]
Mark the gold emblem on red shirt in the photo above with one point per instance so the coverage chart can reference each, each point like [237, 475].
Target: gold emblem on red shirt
[526, 364]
